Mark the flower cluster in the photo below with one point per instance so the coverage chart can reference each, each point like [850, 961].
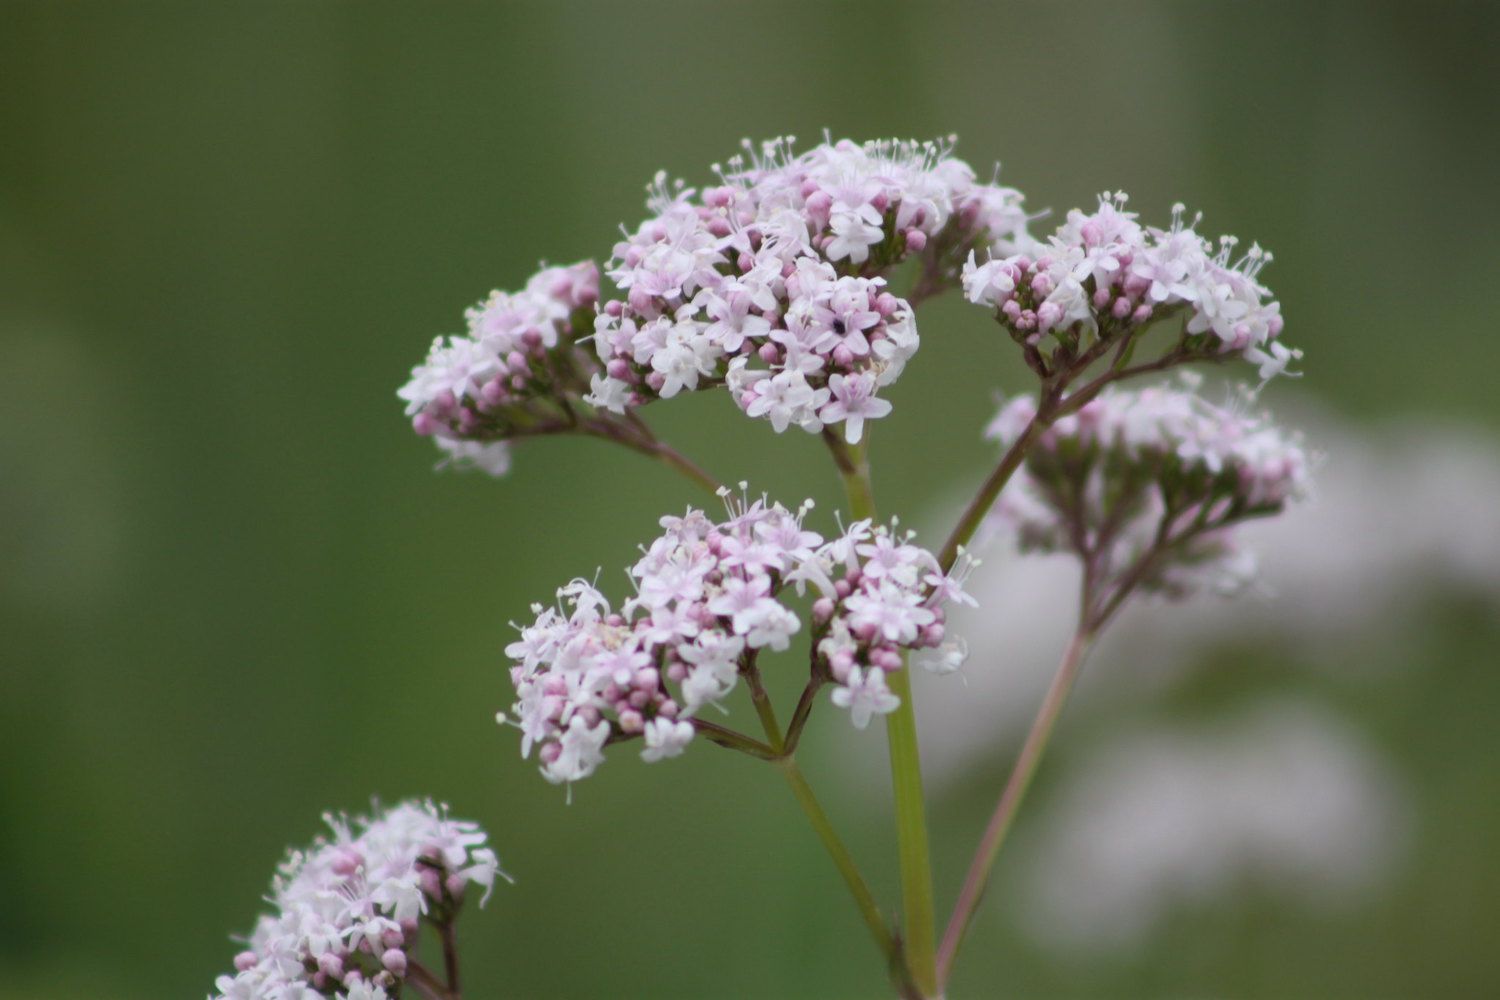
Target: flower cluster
[772, 282]
[349, 910]
[709, 597]
[1102, 275]
[507, 376]
[1150, 483]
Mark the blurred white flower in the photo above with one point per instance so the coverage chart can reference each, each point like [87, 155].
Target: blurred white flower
[1283, 798]
[1397, 510]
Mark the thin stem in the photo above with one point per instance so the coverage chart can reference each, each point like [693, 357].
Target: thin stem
[635, 434]
[763, 706]
[800, 714]
[821, 825]
[427, 984]
[911, 837]
[842, 860]
[919, 910]
[733, 740]
[973, 515]
[450, 956]
[1010, 800]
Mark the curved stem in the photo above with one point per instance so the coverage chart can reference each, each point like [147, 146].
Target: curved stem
[919, 911]
[1010, 800]
[635, 434]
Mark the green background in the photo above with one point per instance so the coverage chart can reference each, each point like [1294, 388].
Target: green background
[233, 595]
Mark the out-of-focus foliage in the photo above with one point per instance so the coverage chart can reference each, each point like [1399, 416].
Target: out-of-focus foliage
[232, 594]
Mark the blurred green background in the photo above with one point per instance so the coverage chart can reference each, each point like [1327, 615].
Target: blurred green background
[234, 595]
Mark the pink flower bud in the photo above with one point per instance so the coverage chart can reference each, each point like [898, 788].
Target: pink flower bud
[916, 240]
[456, 885]
[395, 962]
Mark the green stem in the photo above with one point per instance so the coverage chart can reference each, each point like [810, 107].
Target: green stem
[1010, 800]
[635, 434]
[821, 825]
[974, 514]
[763, 707]
[919, 912]
[842, 860]
[732, 740]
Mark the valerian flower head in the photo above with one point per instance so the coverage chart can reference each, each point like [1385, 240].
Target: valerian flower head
[773, 282]
[710, 597]
[1102, 275]
[512, 373]
[349, 909]
[1146, 486]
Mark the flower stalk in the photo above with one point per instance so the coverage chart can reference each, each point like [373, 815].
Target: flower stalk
[1010, 801]
[918, 940]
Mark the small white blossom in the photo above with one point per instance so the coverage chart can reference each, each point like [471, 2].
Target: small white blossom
[1156, 469]
[865, 694]
[345, 898]
[666, 738]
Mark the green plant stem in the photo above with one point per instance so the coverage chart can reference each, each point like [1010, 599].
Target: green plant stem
[732, 740]
[842, 860]
[1010, 800]
[918, 910]
[635, 434]
[974, 514]
[763, 707]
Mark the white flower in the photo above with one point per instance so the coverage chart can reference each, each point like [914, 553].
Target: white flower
[491, 457]
[666, 738]
[1218, 465]
[853, 401]
[767, 623]
[582, 751]
[947, 658]
[608, 393]
[709, 594]
[785, 399]
[854, 232]
[352, 890]
[864, 694]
